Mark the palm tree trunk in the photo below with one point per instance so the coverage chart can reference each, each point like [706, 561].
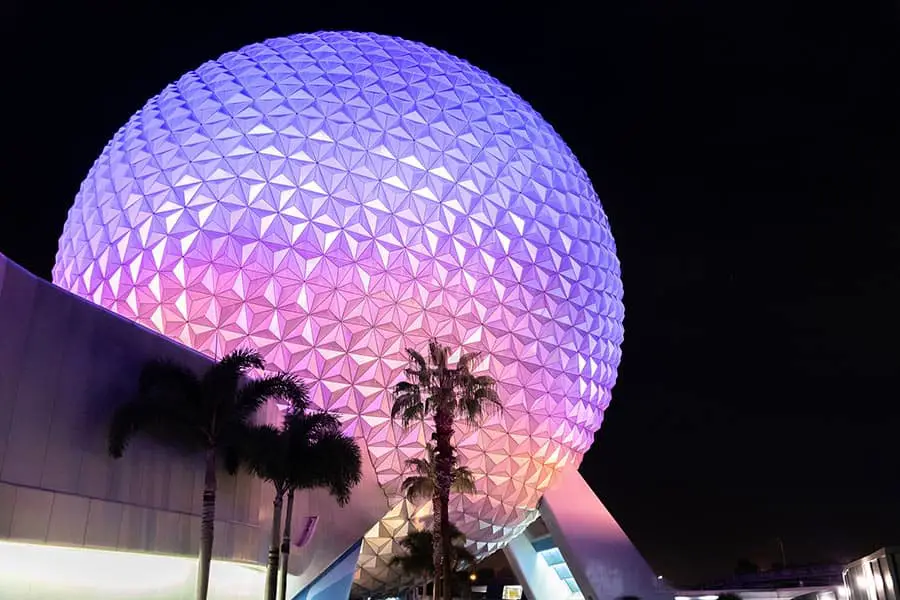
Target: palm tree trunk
[286, 546]
[436, 546]
[443, 425]
[272, 566]
[207, 525]
[447, 586]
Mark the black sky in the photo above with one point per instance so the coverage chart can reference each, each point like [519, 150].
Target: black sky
[748, 156]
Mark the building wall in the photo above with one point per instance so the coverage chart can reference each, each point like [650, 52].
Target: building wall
[64, 365]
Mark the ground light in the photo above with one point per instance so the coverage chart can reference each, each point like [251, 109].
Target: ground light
[42, 571]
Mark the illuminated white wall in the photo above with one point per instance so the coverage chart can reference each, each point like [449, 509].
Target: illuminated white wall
[38, 572]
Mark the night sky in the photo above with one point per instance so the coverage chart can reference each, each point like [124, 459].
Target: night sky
[749, 162]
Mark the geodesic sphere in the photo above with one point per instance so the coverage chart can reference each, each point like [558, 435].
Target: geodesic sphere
[334, 198]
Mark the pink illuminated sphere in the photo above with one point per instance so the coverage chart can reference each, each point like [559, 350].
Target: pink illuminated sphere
[334, 198]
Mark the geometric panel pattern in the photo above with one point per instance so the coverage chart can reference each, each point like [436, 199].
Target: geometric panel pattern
[333, 198]
[375, 575]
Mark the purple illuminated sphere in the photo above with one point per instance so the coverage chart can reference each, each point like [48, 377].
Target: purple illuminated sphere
[334, 198]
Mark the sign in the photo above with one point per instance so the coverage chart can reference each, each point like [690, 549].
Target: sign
[512, 592]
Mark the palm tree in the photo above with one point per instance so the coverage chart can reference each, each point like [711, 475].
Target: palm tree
[418, 561]
[308, 451]
[433, 389]
[209, 413]
[423, 485]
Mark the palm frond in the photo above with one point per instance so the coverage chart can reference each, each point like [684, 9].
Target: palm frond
[406, 388]
[477, 398]
[419, 369]
[456, 536]
[422, 466]
[232, 454]
[463, 481]
[127, 420]
[416, 488]
[167, 406]
[164, 376]
[281, 386]
[413, 565]
[173, 424]
[467, 361]
[408, 405]
[417, 540]
[263, 454]
[438, 354]
[417, 560]
[233, 421]
[335, 463]
[460, 554]
[421, 485]
[309, 427]
[241, 361]
[221, 380]
[410, 410]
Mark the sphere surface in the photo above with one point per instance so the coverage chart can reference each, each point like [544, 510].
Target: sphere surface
[334, 198]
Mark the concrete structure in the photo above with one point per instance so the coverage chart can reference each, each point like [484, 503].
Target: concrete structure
[603, 560]
[576, 550]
